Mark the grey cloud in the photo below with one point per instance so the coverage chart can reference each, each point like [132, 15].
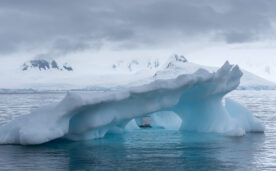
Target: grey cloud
[66, 46]
[234, 37]
[67, 26]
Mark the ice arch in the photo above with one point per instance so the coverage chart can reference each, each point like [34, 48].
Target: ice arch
[196, 98]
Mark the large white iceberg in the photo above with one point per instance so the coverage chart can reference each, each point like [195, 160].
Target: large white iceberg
[196, 98]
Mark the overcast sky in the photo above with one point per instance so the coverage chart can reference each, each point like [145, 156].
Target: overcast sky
[60, 28]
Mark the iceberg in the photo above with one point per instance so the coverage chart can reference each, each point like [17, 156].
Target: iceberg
[192, 102]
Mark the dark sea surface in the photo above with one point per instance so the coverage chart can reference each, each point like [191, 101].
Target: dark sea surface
[146, 149]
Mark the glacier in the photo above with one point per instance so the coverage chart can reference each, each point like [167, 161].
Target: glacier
[108, 74]
[189, 102]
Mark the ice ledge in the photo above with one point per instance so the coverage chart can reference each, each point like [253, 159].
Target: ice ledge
[196, 98]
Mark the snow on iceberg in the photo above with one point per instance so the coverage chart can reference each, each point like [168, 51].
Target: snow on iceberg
[196, 98]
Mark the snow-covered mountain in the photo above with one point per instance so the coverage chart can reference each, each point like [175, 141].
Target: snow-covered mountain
[44, 75]
[178, 64]
[135, 65]
[173, 67]
[43, 64]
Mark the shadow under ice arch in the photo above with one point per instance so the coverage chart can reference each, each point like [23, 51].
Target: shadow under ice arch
[196, 98]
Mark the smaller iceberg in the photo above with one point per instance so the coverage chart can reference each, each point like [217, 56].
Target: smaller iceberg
[192, 102]
[243, 117]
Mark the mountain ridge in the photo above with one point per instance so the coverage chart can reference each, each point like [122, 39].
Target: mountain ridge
[43, 64]
[46, 76]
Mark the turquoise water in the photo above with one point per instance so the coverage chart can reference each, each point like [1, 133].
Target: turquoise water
[146, 149]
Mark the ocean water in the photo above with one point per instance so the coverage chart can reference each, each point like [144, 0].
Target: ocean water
[146, 149]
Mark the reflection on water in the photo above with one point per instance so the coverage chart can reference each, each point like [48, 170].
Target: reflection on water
[155, 149]
[151, 148]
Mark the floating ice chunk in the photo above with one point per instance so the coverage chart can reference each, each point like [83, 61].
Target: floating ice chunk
[167, 120]
[132, 125]
[196, 98]
[243, 117]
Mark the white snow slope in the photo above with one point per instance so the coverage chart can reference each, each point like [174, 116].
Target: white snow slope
[172, 68]
[196, 98]
[106, 74]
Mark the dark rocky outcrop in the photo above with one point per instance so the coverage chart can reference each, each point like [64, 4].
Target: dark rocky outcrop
[42, 64]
